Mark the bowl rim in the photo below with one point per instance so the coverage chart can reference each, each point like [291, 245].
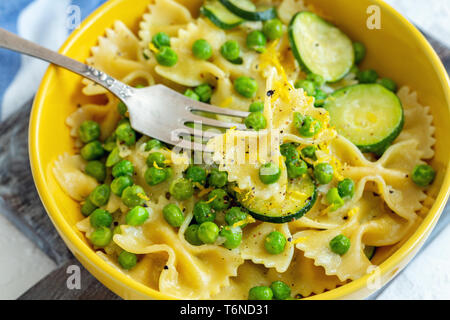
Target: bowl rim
[408, 249]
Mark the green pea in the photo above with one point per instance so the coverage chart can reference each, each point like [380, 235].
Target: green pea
[136, 216]
[154, 176]
[101, 237]
[122, 108]
[88, 207]
[317, 79]
[423, 175]
[127, 260]
[113, 158]
[231, 50]
[256, 121]
[203, 212]
[119, 184]
[173, 215]
[181, 189]
[100, 195]
[289, 151]
[89, 131]
[219, 199]
[388, 84]
[275, 242]
[310, 127]
[191, 94]
[296, 168]
[126, 134]
[273, 29]
[340, 244]
[202, 49]
[218, 178]
[269, 173]
[281, 290]
[334, 199]
[323, 172]
[196, 174]
[257, 106]
[233, 237]
[133, 196]
[161, 39]
[246, 86]
[204, 92]
[319, 98]
[256, 40]
[100, 218]
[367, 76]
[92, 151]
[97, 170]
[298, 119]
[156, 157]
[308, 86]
[208, 232]
[110, 143]
[167, 57]
[309, 152]
[260, 293]
[153, 145]
[346, 188]
[191, 235]
[123, 168]
[360, 52]
[235, 215]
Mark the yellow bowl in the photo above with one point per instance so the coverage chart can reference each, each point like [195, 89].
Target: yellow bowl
[397, 50]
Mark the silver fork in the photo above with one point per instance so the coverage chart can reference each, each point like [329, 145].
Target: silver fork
[156, 111]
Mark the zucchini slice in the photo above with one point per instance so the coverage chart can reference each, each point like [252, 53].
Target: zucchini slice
[248, 11]
[300, 198]
[369, 115]
[219, 15]
[320, 47]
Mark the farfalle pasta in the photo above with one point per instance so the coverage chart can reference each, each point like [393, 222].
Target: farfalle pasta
[331, 168]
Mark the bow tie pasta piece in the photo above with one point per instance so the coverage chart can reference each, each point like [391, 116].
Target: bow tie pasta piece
[368, 224]
[418, 123]
[69, 172]
[190, 71]
[106, 115]
[304, 278]
[237, 153]
[249, 275]
[189, 273]
[117, 54]
[167, 16]
[252, 247]
[391, 174]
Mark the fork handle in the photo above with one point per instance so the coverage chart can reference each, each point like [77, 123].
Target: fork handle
[13, 42]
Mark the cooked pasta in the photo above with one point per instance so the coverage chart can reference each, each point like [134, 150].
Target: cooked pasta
[381, 210]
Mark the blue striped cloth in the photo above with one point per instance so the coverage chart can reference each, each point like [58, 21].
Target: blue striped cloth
[49, 22]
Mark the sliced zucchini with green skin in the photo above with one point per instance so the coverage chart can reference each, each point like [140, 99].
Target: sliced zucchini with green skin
[219, 15]
[320, 47]
[248, 11]
[300, 198]
[369, 115]
[369, 251]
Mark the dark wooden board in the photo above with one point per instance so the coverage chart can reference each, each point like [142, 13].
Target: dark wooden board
[20, 203]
